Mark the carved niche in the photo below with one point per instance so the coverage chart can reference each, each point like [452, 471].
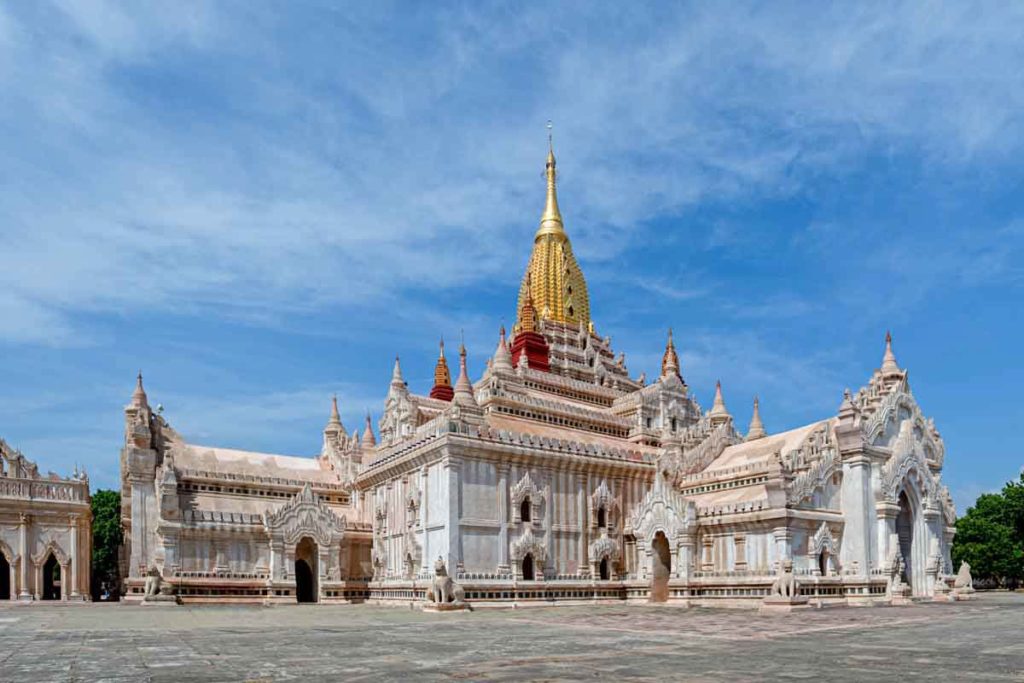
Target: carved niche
[525, 489]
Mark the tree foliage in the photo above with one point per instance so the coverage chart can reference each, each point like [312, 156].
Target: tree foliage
[106, 541]
[990, 537]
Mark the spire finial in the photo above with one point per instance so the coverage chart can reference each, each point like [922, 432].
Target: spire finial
[139, 395]
[334, 423]
[442, 388]
[670, 360]
[719, 414]
[396, 374]
[889, 365]
[463, 388]
[551, 219]
[501, 361]
[756, 429]
[368, 439]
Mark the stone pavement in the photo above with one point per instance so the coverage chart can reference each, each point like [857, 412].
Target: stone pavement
[982, 640]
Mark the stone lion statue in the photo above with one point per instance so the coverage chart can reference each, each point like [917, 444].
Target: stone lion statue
[153, 580]
[964, 581]
[785, 585]
[444, 589]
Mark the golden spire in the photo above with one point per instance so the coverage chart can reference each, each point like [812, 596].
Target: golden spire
[553, 284]
[442, 376]
[442, 388]
[551, 219]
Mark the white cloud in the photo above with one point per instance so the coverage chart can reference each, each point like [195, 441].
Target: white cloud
[354, 168]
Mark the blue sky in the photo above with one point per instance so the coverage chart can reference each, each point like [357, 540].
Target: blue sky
[260, 204]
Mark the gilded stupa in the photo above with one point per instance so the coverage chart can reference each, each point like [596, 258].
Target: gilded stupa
[553, 279]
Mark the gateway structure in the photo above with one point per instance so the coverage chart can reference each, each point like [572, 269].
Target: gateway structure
[555, 476]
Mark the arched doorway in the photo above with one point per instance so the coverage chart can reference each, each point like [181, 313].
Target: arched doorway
[661, 570]
[524, 510]
[905, 534]
[823, 563]
[51, 579]
[604, 569]
[306, 571]
[528, 567]
[5, 578]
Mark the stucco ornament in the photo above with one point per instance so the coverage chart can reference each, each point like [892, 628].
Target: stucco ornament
[305, 515]
[663, 509]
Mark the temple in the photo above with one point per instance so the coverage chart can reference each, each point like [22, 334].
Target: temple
[554, 476]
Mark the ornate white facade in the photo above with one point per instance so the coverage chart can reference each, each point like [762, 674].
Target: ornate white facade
[45, 532]
[556, 476]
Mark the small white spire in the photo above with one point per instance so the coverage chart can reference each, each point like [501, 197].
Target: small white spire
[718, 412]
[463, 388]
[396, 374]
[369, 441]
[889, 365]
[502, 359]
[334, 423]
[756, 430]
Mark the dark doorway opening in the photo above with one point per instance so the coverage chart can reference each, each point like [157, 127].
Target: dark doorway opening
[306, 571]
[524, 510]
[5, 578]
[51, 579]
[605, 570]
[528, 567]
[662, 569]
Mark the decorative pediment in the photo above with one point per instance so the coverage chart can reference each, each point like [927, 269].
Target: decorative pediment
[526, 544]
[523, 489]
[823, 540]
[602, 498]
[50, 545]
[305, 515]
[907, 465]
[604, 547]
[664, 510]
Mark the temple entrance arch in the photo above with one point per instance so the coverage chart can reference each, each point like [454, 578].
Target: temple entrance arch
[910, 544]
[604, 570]
[5, 578]
[51, 578]
[306, 570]
[823, 563]
[528, 573]
[661, 567]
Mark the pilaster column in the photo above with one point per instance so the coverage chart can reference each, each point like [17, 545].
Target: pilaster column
[856, 492]
[502, 472]
[24, 521]
[452, 471]
[582, 483]
[740, 552]
[73, 560]
[425, 562]
[783, 545]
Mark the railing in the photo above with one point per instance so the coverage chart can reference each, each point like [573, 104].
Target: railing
[42, 489]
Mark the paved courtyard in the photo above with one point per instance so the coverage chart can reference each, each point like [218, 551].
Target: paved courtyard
[982, 640]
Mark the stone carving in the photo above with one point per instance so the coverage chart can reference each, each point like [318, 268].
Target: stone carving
[152, 582]
[785, 585]
[785, 591]
[305, 515]
[529, 544]
[444, 593]
[156, 591]
[963, 585]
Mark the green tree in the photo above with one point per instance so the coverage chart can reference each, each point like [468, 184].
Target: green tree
[990, 536]
[106, 541]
